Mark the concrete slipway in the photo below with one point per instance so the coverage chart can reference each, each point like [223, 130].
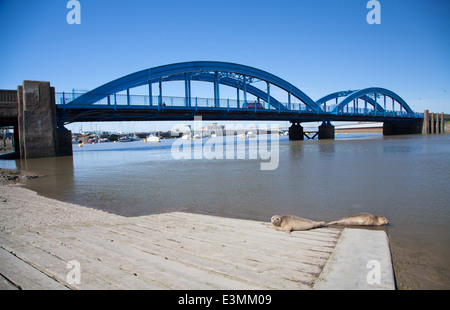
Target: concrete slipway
[190, 251]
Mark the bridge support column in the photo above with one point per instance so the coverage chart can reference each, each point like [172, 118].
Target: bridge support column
[433, 124]
[38, 135]
[63, 141]
[426, 122]
[296, 132]
[326, 130]
[402, 127]
[439, 123]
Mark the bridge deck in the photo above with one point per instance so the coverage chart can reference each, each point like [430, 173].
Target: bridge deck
[94, 113]
[183, 251]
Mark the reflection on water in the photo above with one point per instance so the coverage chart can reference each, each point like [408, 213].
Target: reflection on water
[404, 178]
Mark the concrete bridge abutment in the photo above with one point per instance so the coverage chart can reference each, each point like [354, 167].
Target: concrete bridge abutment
[38, 133]
[407, 127]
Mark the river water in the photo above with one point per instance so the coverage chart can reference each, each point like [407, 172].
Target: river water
[405, 178]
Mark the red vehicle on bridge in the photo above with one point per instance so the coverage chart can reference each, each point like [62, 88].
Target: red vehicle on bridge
[252, 105]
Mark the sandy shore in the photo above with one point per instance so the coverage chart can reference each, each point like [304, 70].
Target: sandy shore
[24, 208]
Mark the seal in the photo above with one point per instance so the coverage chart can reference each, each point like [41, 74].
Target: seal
[362, 219]
[289, 223]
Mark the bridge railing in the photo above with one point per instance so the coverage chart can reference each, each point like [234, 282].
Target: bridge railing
[63, 98]
[348, 110]
[155, 102]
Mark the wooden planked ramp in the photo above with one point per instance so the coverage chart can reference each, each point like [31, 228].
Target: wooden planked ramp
[166, 251]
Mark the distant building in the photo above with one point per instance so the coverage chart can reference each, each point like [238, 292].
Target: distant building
[213, 129]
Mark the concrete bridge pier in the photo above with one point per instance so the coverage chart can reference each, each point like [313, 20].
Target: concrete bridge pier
[402, 127]
[296, 132]
[326, 130]
[38, 132]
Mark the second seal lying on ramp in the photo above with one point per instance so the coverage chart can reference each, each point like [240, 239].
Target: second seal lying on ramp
[362, 219]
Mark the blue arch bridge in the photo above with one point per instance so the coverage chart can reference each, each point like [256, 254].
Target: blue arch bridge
[113, 101]
[256, 95]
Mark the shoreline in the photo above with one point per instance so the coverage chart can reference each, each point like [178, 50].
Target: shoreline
[22, 208]
[359, 130]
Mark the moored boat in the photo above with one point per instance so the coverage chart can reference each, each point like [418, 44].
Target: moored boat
[153, 139]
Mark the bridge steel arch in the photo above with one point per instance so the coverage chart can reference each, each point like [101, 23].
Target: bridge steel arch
[234, 75]
[210, 77]
[364, 94]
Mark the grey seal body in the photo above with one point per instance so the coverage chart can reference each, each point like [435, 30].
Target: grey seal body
[362, 219]
[289, 223]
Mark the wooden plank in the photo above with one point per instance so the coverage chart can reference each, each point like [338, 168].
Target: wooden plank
[168, 273]
[51, 257]
[96, 273]
[230, 222]
[210, 224]
[257, 240]
[227, 248]
[174, 239]
[6, 285]
[234, 227]
[23, 275]
[251, 271]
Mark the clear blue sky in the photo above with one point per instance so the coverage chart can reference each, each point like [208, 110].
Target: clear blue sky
[319, 46]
